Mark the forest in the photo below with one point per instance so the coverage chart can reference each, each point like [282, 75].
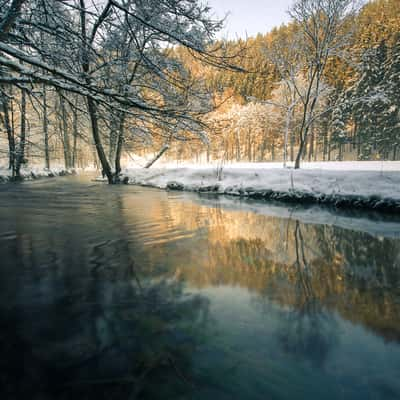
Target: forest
[91, 84]
[356, 115]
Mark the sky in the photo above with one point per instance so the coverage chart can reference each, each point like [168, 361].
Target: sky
[249, 17]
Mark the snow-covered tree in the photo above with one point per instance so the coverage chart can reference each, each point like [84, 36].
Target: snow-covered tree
[324, 27]
[338, 131]
[115, 55]
[391, 81]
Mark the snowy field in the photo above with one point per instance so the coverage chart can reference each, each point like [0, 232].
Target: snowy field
[363, 184]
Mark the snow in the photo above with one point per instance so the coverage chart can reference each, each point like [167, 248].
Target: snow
[322, 182]
[34, 172]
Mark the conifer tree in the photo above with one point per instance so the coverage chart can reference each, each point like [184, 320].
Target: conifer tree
[368, 100]
[391, 131]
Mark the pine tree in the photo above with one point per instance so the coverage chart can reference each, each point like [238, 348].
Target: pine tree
[339, 117]
[369, 100]
[391, 132]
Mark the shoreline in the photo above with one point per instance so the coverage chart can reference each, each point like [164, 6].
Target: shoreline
[375, 190]
[30, 175]
[305, 198]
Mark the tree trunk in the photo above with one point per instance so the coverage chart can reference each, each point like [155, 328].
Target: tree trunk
[20, 156]
[120, 142]
[10, 137]
[263, 147]
[46, 130]
[285, 141]
[325, 142]
[65, 136]
[308, 112]
[329, 149]
[92, 109]
[358, 133]
[299, 154]
[158, 155]
[306, 147]
[340, 156]
[75, 133]
[113, 139]
[249, 146]
[316, 137]
[273, 150]
[237, 147]
[311, 150]
[292, 140]
[106, 169]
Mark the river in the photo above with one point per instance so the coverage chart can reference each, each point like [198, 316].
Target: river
[124, 292]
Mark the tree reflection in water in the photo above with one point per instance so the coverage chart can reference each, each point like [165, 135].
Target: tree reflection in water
[95, 303]
[107, 340]
[307, 331]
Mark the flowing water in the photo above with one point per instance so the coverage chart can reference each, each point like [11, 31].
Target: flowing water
[121, 292]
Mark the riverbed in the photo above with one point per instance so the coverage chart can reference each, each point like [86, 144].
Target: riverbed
[126, 292]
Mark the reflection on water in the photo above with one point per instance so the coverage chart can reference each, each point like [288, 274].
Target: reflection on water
[125, 293]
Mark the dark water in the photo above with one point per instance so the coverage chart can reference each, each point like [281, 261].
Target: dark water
[134, 293]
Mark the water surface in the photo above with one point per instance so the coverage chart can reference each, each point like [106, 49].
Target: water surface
[134, 293]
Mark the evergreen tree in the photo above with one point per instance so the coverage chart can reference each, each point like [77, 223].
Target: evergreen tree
[391, 82]
[338, 129]
[369, 100]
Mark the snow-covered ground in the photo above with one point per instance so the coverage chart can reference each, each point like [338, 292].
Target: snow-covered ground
[363, 184]
[135, 161]
[34, 172]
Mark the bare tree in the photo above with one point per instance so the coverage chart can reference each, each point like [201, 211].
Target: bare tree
[64, 45]
[324, 30]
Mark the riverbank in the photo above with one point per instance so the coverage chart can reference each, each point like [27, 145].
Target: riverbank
[368, 185]
[33, 173]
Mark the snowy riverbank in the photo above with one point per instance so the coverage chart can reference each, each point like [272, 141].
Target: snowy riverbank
[32, 173]
[372, 185]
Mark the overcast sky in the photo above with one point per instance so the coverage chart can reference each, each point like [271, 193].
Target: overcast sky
[250, 16]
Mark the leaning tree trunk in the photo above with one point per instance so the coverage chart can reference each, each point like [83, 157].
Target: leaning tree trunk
[163, 149]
